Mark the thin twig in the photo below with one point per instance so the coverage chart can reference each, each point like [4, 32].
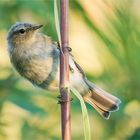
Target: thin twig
[64, 72]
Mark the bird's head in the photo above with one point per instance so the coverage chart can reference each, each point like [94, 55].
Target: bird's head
[22, 32]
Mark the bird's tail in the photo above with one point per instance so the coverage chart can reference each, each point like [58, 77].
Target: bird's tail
[102, 101]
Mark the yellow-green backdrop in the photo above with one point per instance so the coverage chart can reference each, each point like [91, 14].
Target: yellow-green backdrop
[105, 39]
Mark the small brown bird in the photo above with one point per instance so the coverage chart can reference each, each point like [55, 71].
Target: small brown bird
[36, 57]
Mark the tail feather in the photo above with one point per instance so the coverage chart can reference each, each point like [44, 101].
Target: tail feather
[102, 101]
[105, 94]
[103, 113]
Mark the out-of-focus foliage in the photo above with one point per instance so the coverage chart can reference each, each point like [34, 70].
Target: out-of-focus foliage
[104, 30]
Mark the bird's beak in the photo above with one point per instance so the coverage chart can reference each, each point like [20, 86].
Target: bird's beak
[35, 27]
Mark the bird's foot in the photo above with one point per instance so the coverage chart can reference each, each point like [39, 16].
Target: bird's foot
[69, 49]
[61, 100]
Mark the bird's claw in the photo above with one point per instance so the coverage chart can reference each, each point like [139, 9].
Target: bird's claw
[60, 100]
[69, 49]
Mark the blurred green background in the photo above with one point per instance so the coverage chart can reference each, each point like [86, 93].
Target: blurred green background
[105, 38]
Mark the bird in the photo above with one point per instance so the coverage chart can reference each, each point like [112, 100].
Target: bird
[37, 58]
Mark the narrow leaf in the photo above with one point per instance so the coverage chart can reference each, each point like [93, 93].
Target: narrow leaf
[84, 114]
[57, 25]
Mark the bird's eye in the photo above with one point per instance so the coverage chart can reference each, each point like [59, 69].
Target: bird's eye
[22, 31]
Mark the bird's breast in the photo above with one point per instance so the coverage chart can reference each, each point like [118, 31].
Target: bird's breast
[36, 65]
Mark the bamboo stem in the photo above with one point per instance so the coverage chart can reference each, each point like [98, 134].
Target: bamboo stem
[64, 72]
